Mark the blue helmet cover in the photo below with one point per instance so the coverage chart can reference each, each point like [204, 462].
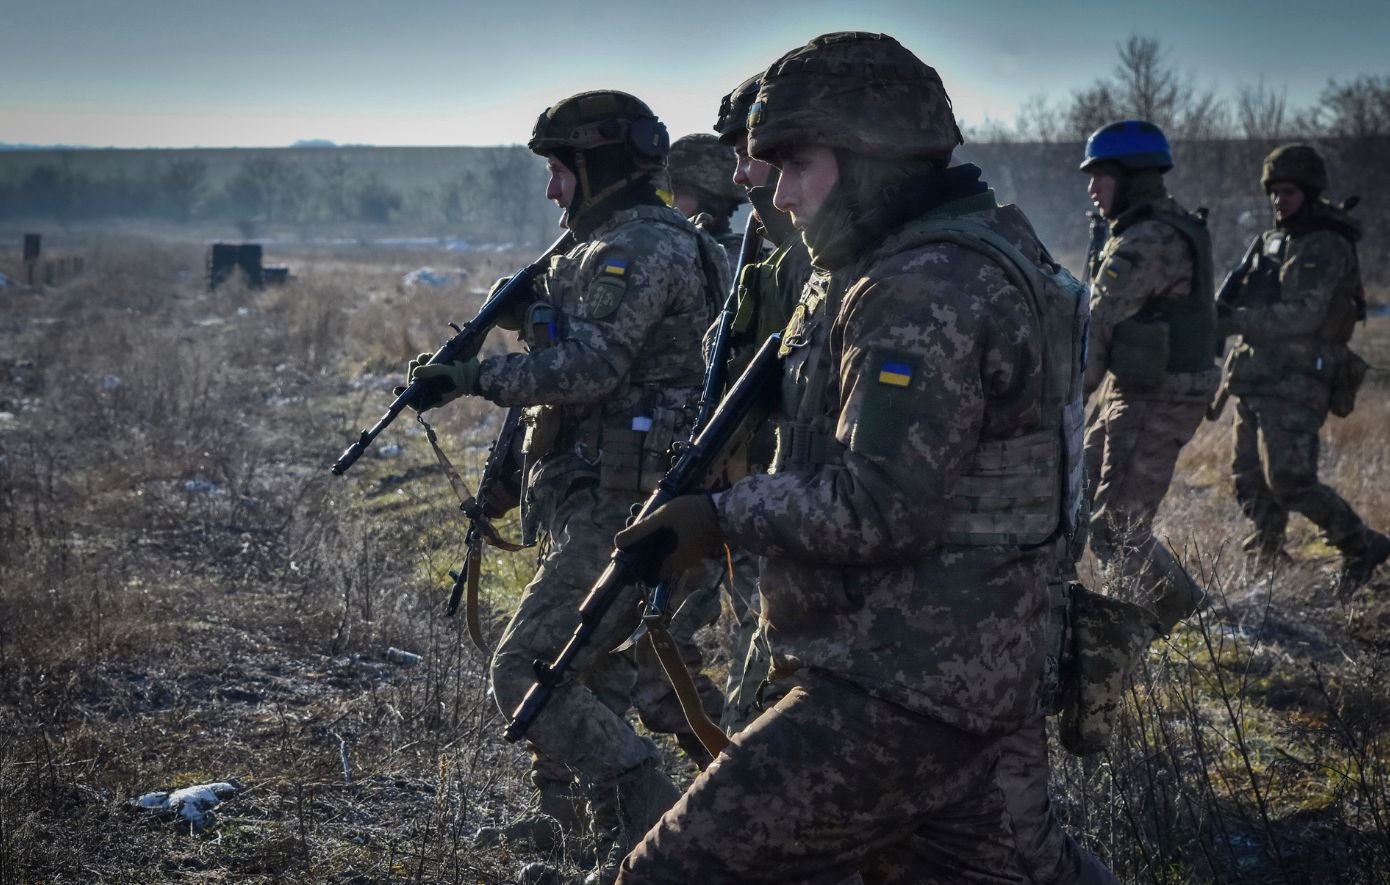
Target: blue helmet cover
[1135, 144]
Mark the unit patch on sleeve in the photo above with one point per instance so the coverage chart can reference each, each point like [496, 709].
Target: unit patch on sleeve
[607, 289]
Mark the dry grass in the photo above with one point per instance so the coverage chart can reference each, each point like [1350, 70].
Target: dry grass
[186, 595]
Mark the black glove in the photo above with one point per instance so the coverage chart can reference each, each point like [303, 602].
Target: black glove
[679, 534]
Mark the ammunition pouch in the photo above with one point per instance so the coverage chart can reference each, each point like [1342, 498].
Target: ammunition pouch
[1107, 638]
[1347, 377]
[1008, 493]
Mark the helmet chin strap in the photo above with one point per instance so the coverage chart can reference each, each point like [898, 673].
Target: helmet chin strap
[589, 200]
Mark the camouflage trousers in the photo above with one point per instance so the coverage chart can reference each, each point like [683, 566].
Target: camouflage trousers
[1275, 467]
[1049, 854]
[831, 782]
[1132, 446]
[582, 732]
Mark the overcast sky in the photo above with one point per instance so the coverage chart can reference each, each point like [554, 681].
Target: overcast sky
[180, 73]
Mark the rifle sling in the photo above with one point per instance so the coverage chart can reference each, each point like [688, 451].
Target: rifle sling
[483, 530]
[710, 735]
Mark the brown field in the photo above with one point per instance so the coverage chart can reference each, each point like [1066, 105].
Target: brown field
[186, 596]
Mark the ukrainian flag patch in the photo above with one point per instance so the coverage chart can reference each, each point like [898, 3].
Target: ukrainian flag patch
[895, 374]
[616, 266]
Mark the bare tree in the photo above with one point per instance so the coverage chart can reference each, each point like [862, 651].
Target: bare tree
[182, 184]
[1359, 109]
[1260, 112]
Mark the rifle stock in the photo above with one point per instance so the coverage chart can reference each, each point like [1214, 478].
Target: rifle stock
[463, 346]
[735, 418]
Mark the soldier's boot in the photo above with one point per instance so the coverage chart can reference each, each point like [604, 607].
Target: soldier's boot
[1362, 553]
[1264, 549]
[554, 817]
[622, 811]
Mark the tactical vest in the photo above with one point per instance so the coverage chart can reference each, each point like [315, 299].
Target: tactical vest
[1261, 288]
[1019, 491]
[630, 450]
[1189, 321]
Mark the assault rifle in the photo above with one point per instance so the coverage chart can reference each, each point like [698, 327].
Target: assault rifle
[463, 346]
[697, 462]
[1231, 285]
[717, 370]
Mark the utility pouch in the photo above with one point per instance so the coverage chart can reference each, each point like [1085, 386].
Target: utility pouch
[637, 451]
[1107, 638]
[1139, 353]
[542, 425]
[541, 327]
[1346, 381]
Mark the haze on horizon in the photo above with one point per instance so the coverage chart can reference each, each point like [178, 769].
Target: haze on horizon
[171, 73]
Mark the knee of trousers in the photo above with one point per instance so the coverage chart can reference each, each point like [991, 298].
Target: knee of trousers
[1293, 488]
[512, 676]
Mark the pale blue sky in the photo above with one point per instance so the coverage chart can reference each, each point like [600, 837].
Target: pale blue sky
[175, 73]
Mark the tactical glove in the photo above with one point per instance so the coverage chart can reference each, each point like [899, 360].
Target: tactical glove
[446, 382]
[679, 534]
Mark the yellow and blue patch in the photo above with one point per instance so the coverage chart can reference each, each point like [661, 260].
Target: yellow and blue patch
[616, 266]
[895, 374]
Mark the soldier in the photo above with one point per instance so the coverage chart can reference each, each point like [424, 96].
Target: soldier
[1152, 355]
[929, 366]
[610, 377]
[702, 171]
[1294, 311]
[768, 292]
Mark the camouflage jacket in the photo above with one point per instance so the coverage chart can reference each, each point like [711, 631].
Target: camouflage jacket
[1146, 260]
[1284, 302]
[927, 353]
[630, 303]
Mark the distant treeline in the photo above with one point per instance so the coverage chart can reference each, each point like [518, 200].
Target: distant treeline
[493, 193]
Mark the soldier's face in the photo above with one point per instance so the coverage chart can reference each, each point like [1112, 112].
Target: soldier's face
[560, 188]
[749, 173]
[1286, 198]
[684, 202]
[808, 174]
[1102, 191]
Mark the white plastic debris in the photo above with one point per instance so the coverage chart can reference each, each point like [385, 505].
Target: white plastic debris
[400, 656]
[389, 451]
[428, 276]
[202, 486]
[191, 803]
[111, 382]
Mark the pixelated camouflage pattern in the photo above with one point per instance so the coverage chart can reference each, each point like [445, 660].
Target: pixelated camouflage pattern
[732, 120]
[701, 162]
[1279, 349]
[637, 356]
[1296, 163]
[1109, 636]
[858, 581]
[1134, 436]
[1049, 854]
[857, 91]
[831, 783]
[1275, 467]
[578, 121]
[1147, 260]
[1132, 447]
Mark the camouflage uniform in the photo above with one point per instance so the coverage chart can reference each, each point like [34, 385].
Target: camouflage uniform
[611, 377]
[1137, 431]
[916, 631]
[1294, 312]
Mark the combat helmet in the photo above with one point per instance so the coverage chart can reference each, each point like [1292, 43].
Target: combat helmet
[1133, 144]
[701, 164]
[733, 110]
[1296, 163]
[608, 139]
[855, 91]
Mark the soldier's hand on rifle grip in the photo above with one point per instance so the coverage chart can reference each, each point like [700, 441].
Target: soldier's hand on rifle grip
[675, 537]
[451, 381]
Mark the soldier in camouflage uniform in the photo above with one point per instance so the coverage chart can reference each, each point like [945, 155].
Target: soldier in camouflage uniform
[926, 480]
[702, 172]
[1298, 301]
[1151, 355]
[610, 378]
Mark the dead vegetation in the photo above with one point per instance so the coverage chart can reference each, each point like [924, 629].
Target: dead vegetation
[187, 596]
